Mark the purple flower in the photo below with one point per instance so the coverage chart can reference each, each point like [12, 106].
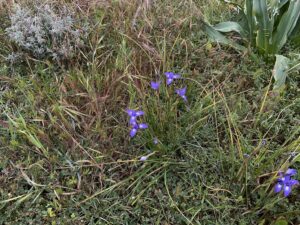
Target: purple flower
[285, 182]
[132, 120]
[143, 126]
[155, 141]
[133, 132]
[155, 85]
[181, 93]
[171, 76]
[132, 112]
[291, 172]
[133, 115]
[143, 158]
[278, 187]
[136, 127]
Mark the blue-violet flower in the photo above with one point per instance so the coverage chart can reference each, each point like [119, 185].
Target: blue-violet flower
[171, 76]
[133, 115]
[143, 158]
[285, 182]
[181, 93]
[136, 127]
[155, 85]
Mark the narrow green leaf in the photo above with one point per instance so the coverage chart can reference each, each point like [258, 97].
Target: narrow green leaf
[280, 71]
[297, 158]
[250, 19]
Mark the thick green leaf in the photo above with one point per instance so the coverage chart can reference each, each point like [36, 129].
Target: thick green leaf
[264, 23]
[280, 71]
[220, 38]
[281, 3]
[295, 35]
[296, 31]
[286, 25]
[260, 11]
[231, 26]
[277, 4]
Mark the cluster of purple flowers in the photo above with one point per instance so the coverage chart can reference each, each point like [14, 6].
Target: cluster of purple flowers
[285, 182]
[170, 76]
[134, 114]
[135, 126]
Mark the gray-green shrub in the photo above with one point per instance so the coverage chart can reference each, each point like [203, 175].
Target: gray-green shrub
[46, 32]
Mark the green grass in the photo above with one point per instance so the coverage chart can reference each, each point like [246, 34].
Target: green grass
[66, 156]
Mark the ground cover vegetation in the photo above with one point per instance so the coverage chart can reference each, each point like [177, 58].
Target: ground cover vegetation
[133, 112]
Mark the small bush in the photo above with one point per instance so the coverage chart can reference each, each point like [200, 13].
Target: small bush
[45, 32]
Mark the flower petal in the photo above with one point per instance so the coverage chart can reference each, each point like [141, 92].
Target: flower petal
[155, 85]
[176, 76]
[291, 172]
[293, 182]
[130, 112]
[169, 81]
[132, 120]
[143, 126]
[139, 113]
[169, 75]
[278, 187]
[143, 158]
[181, 92]
[133, 132]
[287, 190]
[283, 179]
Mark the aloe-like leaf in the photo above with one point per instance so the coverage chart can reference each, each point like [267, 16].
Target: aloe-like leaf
[296, 30]
[281, 3]
[295, 35]
[277, 3]
[286, 25]
[220, 38]
[250, 19]
[280, 71]
[229, 27]
[260, 11]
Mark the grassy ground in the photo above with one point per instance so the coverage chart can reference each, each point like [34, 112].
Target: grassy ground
[66, 156]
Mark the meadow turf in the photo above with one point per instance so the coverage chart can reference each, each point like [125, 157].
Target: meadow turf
[66, 156]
